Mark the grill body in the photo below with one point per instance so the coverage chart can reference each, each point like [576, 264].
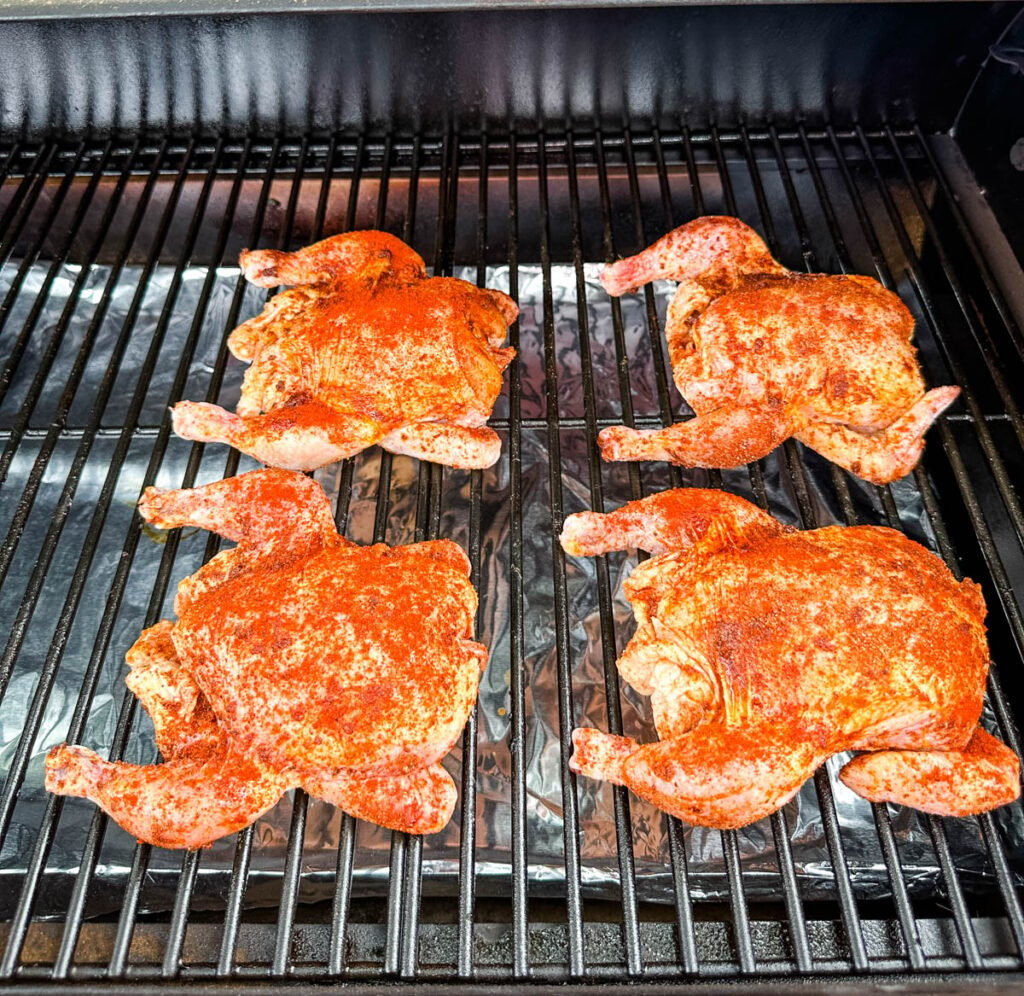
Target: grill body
[123, 207]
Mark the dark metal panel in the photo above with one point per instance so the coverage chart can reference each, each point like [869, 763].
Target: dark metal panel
[547, 67]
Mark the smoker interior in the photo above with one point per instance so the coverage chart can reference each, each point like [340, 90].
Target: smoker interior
[894, 203]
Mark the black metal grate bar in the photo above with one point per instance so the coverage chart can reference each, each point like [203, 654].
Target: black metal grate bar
[517, 691]
[243, 850]
[28, 603]
[25, 196]
[49, 822]
[823, 199]
[467, 847]
[570, 815]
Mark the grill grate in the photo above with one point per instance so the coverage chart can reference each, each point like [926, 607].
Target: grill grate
[850, 201]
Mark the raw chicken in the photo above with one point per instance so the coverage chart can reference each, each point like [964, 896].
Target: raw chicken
[298, 659]
[765, 650]
[761, 354]
[364, 349]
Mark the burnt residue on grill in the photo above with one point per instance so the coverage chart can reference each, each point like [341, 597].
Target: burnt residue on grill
[130, 235]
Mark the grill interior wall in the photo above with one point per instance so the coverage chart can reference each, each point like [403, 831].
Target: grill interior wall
[74, 463]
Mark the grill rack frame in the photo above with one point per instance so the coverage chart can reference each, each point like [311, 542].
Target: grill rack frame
[522, 159]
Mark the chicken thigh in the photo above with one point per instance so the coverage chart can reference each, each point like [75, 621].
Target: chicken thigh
[364, 349]
[761, 354]
[765, 650]
[298, 659]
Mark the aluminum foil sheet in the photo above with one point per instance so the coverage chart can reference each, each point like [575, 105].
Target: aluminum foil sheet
[494, 775]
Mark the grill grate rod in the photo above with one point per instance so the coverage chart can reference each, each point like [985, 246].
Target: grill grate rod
[26, 195]
[517, 691]
[243, 848]
[17, 348]
[19, 924]
[570, 824]
[730, 843]
[428, 525]
[396, 876]
[685, 938]
[341, 904]
[26, 609]
[117, 590]
[965, 232]
[13, 153]
[979, 335]
[90, 855]
[620, 800]
[620, 796]
[292, 877]
[981, 528]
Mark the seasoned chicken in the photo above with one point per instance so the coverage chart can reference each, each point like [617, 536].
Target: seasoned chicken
[766, 650]
[298, 659]
[761, 354]
[364, 349]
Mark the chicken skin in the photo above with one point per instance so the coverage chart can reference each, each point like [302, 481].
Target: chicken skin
[364, 349]
[298, 659]
[765, 650]
[761, 354]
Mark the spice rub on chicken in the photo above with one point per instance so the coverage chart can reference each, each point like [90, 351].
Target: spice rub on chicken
[761, 353]
[765, 651]
[365, 348]
[298, 659]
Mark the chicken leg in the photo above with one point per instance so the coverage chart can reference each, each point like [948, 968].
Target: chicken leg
[352, 255]
[256, 510]
[421, 802]
[671, 520]
[189, 801]
[886, 455]
[713, 249]
[982, 776]
[715, 777]
[727, 437]
[455, 445]
[298, 436]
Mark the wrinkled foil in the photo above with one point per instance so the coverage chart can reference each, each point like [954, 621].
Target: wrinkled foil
[573, 491]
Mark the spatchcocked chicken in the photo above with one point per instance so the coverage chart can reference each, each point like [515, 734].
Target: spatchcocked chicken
[765, 650]
[298, 659]
[762, 353]
[365, 348]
